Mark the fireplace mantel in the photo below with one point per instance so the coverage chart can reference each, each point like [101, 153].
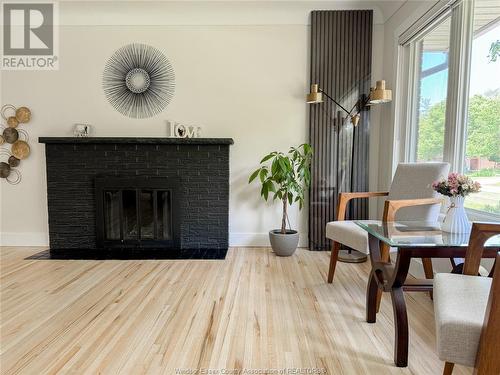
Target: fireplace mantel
[136, 140]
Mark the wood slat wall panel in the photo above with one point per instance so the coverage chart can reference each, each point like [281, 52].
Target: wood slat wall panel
[341, 49]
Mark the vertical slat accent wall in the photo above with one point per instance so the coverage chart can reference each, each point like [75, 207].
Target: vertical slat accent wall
[341, 49]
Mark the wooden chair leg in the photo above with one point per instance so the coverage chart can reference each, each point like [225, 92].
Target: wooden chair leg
[384, 257]
[448, 368]
[379, 298]
[333, 260]
[429, 272]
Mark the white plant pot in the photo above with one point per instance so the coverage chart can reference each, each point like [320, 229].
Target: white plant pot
[456, 220]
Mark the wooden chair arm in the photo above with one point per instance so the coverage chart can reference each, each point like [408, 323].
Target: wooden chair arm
[344, 198]
[392, 206]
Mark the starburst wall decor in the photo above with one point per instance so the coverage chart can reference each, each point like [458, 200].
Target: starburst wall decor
[138, 81]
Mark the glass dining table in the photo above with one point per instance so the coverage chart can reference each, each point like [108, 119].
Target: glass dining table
[409, 239]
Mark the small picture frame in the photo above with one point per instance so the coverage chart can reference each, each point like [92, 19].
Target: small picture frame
[82, 130]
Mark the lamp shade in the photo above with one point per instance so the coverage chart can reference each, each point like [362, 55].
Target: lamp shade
[380, 94]
[314, 96]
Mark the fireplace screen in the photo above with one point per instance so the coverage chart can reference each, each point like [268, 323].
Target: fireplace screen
[134, 216]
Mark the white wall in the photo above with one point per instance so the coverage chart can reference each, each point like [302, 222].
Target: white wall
[400, 21]
[241, 72]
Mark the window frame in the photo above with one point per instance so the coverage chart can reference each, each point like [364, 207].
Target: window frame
[461, 13]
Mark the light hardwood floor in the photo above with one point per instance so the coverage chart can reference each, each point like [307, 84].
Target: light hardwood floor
[249, 311]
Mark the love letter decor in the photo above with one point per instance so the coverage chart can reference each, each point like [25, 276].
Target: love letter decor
[178, 130]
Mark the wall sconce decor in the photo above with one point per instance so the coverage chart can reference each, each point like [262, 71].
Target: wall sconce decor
[11, 135]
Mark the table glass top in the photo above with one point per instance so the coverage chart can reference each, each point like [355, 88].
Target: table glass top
[417, 233]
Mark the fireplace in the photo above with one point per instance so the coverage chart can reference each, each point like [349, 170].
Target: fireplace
[136, 213]
[140, 198]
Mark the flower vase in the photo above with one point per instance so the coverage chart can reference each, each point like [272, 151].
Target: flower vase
[456, 220]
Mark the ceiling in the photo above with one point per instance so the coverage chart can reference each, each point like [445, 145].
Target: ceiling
[486, 14]
[384, 9]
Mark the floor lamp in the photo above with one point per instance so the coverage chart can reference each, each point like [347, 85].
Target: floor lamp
[378, 95]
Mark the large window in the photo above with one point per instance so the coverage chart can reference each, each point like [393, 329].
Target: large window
[452, 86]
[482, 157]
[432, 87]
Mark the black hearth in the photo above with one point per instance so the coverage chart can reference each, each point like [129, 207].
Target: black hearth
[137, 197]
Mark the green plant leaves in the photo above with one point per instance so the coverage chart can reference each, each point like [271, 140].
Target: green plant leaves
[264, 191]
[263, 174]
[253, 175]
[267, 157]
[285, 175]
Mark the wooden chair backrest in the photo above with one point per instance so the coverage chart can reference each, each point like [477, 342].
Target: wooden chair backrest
[480, 233]
[487, 360]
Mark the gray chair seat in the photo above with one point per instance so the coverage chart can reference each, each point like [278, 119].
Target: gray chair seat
[348, 233]
[459, 307]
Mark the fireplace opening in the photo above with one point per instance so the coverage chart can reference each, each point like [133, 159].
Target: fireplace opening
[135, 213]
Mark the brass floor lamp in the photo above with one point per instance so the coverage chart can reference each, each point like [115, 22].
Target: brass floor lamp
[377, 95]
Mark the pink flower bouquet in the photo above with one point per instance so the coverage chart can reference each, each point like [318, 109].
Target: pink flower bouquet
[456, 185]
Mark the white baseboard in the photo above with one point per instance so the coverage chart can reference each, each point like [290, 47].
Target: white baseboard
[42, 239]
[24, 239]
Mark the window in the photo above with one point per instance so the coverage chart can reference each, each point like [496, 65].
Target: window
[432, 87]
[482, 156]
[448, 73]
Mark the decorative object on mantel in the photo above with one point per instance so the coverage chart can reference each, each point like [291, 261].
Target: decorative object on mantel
[286, 176]
[138, 81]
[456, 187]
[82, 130]
[20, 148]
[178, 130]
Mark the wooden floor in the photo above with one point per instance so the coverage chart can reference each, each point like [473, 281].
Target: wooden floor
[249, 311]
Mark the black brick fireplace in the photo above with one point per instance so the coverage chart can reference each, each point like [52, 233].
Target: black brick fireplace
[137, 197]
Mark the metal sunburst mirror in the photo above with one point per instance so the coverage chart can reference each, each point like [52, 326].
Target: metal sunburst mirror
[138, 81]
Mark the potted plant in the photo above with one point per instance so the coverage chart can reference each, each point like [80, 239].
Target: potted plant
[285, 176]
[456, 186]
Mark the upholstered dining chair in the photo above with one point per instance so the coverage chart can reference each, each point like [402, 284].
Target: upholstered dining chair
[410, 198]
[467, 310]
